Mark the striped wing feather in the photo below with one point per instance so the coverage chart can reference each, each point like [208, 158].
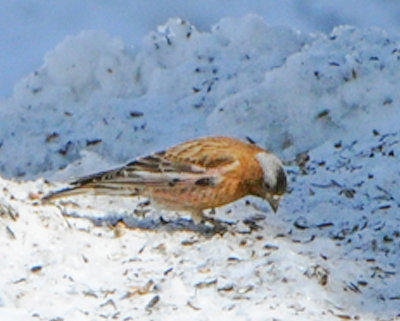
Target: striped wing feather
[190, 160]
[188, 163]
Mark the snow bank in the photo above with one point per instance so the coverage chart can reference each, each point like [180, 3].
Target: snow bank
[327, 104]
[241, 79]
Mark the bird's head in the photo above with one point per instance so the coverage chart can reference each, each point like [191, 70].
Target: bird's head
[274, 179]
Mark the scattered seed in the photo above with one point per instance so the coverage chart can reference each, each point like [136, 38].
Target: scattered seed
[301, 160]
[344, 316]
[36, 90]
[36, 268]
[387, 101]
[136, 114]
[109, 302]
[280, 235]
[338, 145]
[64, 150]
[90, 293]
[52, 136]
[324, 225]
[348, 192]
[19, 281]
[271, 247]
[362, 283]
[352, 287]
[387, 239]
[354, 73]
[190, 304]
[233, 259]
[252, 224]
[169, 270]
[206, 283]
[10, 232]
[323, 256]
[301, 223]
[93, 141]
[6, 209]
[226, 288]
[154, 300]
[189, 242]
[245, 289]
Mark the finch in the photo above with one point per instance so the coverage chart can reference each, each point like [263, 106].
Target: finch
[196, 175]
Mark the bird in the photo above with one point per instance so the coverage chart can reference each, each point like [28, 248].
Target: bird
[196, 175]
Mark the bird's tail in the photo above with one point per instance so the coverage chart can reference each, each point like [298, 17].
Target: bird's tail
[65, 192]
[91, 189]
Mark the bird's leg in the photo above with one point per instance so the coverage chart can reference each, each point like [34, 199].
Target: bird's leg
[197, 216]
[216, 225]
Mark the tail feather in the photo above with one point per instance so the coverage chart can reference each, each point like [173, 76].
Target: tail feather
[65, 192]
[94, 189]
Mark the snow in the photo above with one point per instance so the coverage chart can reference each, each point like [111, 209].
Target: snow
[31, 28]
[326, 103]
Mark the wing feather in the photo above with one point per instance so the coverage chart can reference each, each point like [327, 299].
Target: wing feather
[188, 163]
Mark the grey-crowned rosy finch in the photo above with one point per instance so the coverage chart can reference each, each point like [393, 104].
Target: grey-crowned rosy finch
[194, 176]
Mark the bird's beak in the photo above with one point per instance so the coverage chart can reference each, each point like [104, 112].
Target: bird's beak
[273, 201]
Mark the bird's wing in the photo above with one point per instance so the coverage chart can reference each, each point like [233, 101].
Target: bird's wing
[161, 169]
[208, 153]
[201, 164]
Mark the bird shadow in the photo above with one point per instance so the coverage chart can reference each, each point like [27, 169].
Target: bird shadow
[209, 228]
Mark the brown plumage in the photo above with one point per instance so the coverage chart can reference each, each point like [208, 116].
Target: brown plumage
[193, 176]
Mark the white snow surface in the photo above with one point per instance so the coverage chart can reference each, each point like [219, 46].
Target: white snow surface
[327, 104]
[31, 27]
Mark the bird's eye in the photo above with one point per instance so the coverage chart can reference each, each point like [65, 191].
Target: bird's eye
[266, 185]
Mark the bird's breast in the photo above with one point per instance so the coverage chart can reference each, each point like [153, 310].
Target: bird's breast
[197, 197]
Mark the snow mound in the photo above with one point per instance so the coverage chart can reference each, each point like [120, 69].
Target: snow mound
[286, 90]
